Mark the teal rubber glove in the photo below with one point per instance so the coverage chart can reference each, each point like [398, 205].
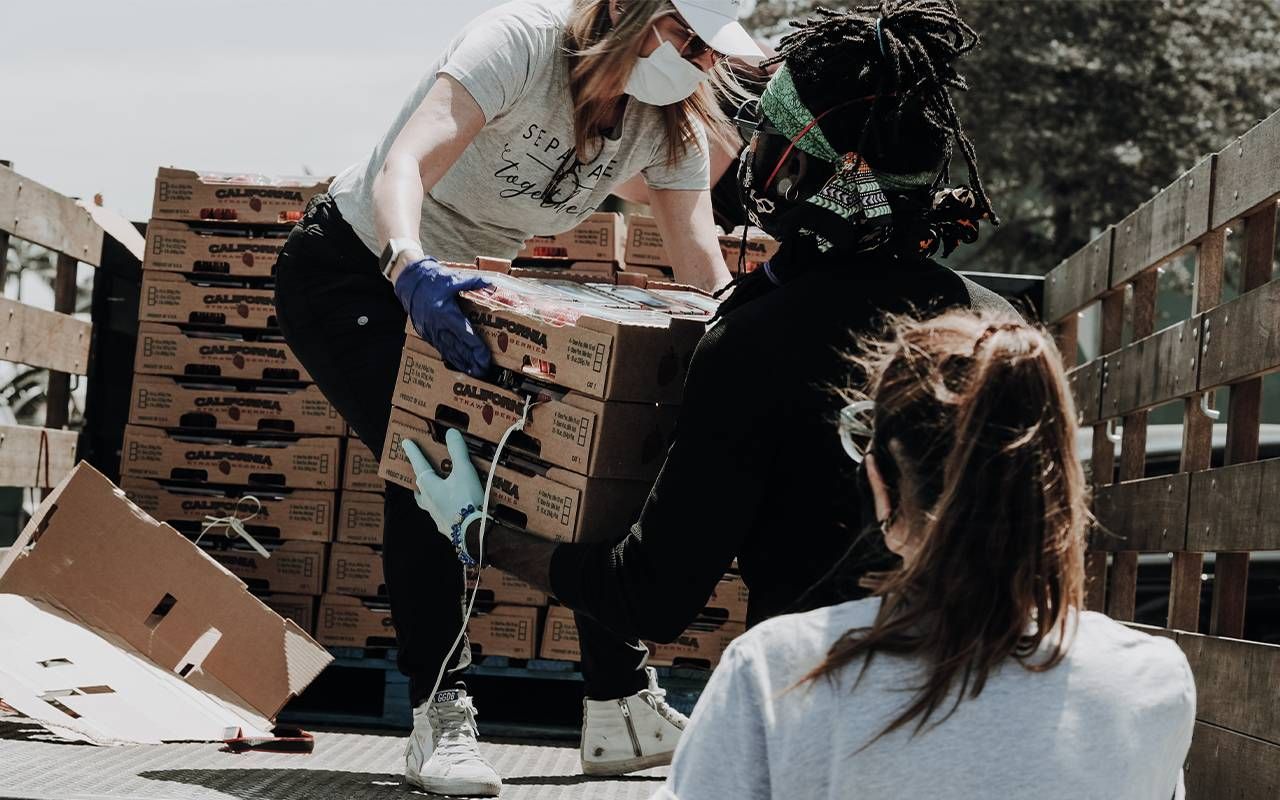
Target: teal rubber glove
[453, 502]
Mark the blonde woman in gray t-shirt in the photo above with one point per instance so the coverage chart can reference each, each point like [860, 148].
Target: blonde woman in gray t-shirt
[536, 111]
[973, 671]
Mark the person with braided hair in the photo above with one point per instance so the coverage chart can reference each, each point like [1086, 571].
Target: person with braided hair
[850, 143]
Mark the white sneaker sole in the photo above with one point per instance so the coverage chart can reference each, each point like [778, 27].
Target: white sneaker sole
[454, 788]
[627, 765]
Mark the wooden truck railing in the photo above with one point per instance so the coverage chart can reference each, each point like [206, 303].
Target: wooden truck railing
[38, 457]
[1229, 511]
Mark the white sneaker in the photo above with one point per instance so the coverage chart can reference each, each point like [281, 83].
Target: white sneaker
[630, 734]
[443, 756]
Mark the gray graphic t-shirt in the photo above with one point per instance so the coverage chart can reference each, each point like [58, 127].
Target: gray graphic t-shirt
[513, 62]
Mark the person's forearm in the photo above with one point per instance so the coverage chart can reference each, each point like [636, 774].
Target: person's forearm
[689, 234]
[517, 552]
[397, 204]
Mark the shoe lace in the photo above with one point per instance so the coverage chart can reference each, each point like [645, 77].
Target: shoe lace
[657, 698]
[456, 723]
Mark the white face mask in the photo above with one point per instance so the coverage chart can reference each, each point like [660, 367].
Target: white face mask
[664, 77]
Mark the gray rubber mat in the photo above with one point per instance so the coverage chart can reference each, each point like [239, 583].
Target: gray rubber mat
[345, 766]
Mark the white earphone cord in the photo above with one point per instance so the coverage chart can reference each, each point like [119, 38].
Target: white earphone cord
[518, 425]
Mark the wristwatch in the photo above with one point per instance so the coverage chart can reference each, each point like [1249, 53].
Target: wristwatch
[391, 253]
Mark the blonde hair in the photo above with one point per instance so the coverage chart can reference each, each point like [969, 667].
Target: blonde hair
[601, 57]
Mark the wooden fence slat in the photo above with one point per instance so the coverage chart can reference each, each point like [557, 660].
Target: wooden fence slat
[1086, 391]
[1180, 213]
[1223, 764]
[1102, 465]
[1145, 516]
[1242, 337]
[40, 338]
[1230, 594]
[1236, 683]
[1131, 253]
[4, 257]
[1185, 572]
[1079, 280]
[21, 454]
[37, 214]
[57, 411]
[1234, 508]
[1153, 370]
[1247, 171]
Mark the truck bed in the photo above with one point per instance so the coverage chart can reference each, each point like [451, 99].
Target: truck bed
[36, 765]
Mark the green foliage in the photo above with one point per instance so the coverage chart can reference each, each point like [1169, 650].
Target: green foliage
[1082, 109]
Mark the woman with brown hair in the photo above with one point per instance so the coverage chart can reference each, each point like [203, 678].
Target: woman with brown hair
[533, 114]
[972, 670]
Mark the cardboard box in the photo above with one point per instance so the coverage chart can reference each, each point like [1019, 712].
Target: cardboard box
[248, 355]
[644, 243]
[240, 460]
[729, 600]
[560, 636]
[171, 402]
[116, 629]
[567, 429]
[184, 299]
[292, 568]
[699, 646]
[179, 247]
[510, 631]
[656, 272]
[356, 570]
[353, 622]
[549, 501]
[583, 271]
[300, 515]
[360, 518]
[760, 248]
[360, 468]
[297, 607]
[502, 588]
[186, 195]
[599, 237]
[632, 356]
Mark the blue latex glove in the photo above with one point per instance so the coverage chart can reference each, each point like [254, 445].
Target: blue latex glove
[429, 292]
[450, 501]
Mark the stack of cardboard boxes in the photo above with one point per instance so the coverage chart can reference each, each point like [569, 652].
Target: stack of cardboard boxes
[601, 367]
[355, 610]
[224, 422]
[646, 253]
[591, 251]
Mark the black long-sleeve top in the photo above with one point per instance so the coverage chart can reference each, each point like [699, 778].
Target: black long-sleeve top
[756, 470]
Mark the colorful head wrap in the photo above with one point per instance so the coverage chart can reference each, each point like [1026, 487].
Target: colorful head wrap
[854, 190]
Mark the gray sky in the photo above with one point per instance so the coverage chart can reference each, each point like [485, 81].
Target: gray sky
[96, 94]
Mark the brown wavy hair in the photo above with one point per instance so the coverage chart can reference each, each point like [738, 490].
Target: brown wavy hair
[974, 433]
[601, 57]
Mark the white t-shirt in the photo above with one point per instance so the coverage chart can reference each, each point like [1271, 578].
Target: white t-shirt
[512, 61]
[1113, 720]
